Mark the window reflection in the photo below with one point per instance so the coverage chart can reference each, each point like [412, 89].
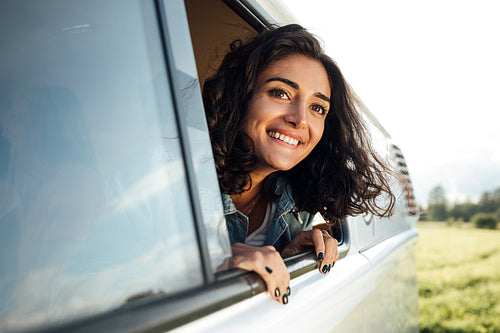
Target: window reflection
[92, 180]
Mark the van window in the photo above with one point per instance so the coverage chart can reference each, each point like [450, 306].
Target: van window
[92, 179]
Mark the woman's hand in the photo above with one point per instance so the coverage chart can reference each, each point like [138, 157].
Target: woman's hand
[266, 262]
[325, 245]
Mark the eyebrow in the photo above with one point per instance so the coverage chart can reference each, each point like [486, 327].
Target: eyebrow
[323, 97]
[295, 86]
[292, 84]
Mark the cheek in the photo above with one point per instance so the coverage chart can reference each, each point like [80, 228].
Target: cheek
[317, 132]
[254, 113]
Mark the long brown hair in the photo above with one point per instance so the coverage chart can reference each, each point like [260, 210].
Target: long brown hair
[342, 176]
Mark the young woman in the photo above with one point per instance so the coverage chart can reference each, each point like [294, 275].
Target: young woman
[288, 143]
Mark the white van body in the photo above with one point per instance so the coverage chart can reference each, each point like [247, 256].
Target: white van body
[111, 217]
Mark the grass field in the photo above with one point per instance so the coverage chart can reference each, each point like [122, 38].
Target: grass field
[459, 279]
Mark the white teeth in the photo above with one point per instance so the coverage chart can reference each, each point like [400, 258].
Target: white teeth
[283, 138]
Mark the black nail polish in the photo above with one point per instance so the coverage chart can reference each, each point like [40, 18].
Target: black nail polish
[288, 291]
[320, 256]
[333, 264]
[329, 267]
[285, 299]
[268, 269]
[277, 292]
[324, 269]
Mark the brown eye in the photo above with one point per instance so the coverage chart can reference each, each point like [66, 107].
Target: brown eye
[318, 109]
[278, 93]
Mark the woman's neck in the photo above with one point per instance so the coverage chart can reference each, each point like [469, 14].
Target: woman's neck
[245, 201]
[253, 202]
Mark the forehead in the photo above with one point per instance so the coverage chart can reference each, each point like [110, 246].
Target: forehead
[308, 73]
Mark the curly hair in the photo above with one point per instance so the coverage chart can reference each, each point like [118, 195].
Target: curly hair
[341, 176]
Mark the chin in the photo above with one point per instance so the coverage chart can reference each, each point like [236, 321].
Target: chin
[284, 166]
[277, 162]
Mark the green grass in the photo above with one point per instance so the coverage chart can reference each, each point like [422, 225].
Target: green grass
[459, 279]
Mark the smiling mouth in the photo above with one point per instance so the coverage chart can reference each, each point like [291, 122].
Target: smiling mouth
[283, 137]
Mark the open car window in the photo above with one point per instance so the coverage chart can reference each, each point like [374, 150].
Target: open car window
[213, 26]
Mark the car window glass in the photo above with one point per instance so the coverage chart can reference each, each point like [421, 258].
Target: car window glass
[184, 72]
[94, 206]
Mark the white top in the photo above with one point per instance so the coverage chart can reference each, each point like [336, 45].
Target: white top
[258, 237]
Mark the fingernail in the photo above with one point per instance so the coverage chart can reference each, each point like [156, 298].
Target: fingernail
[324, 269]
[268, 269]
[285, 299]
[277, 292]
[329, 267]
[288, 291]
[333, 264]
[320, 256]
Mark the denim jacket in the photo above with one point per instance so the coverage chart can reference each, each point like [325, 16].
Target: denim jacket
[286, 221]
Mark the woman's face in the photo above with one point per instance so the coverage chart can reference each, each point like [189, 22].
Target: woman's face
[286, 114]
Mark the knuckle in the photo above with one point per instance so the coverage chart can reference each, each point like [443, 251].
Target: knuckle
[236, 261]
[317, 232]
[270, 248]
[330, 241]
[257, 256]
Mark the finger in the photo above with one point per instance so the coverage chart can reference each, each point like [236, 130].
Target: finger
[270, 277]
[331, 251]
[282, 277]
[267, 263]
[319, 245]
[335, 255]
[277, 281]
[256, 262]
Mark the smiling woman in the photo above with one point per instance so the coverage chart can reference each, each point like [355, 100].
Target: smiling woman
[288, 143]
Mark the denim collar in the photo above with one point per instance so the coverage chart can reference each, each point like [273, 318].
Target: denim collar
[284, 202]
[283, 226]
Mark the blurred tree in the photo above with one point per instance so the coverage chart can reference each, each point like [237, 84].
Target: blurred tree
[490, 201]
[438, 212]
[464, 210]
[423, 214]
[438, 209]
[437, 196]
[437, 206]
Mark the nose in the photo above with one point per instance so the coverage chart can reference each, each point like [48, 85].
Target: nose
[296, 115]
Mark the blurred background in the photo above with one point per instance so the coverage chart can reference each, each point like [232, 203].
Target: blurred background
[429, 70]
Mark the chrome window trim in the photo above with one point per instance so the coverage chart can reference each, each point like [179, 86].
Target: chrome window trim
[157, 313]
[272, 12]
[253, 19]
[262, 14]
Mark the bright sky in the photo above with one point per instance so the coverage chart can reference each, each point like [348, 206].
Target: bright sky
[429, 70]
